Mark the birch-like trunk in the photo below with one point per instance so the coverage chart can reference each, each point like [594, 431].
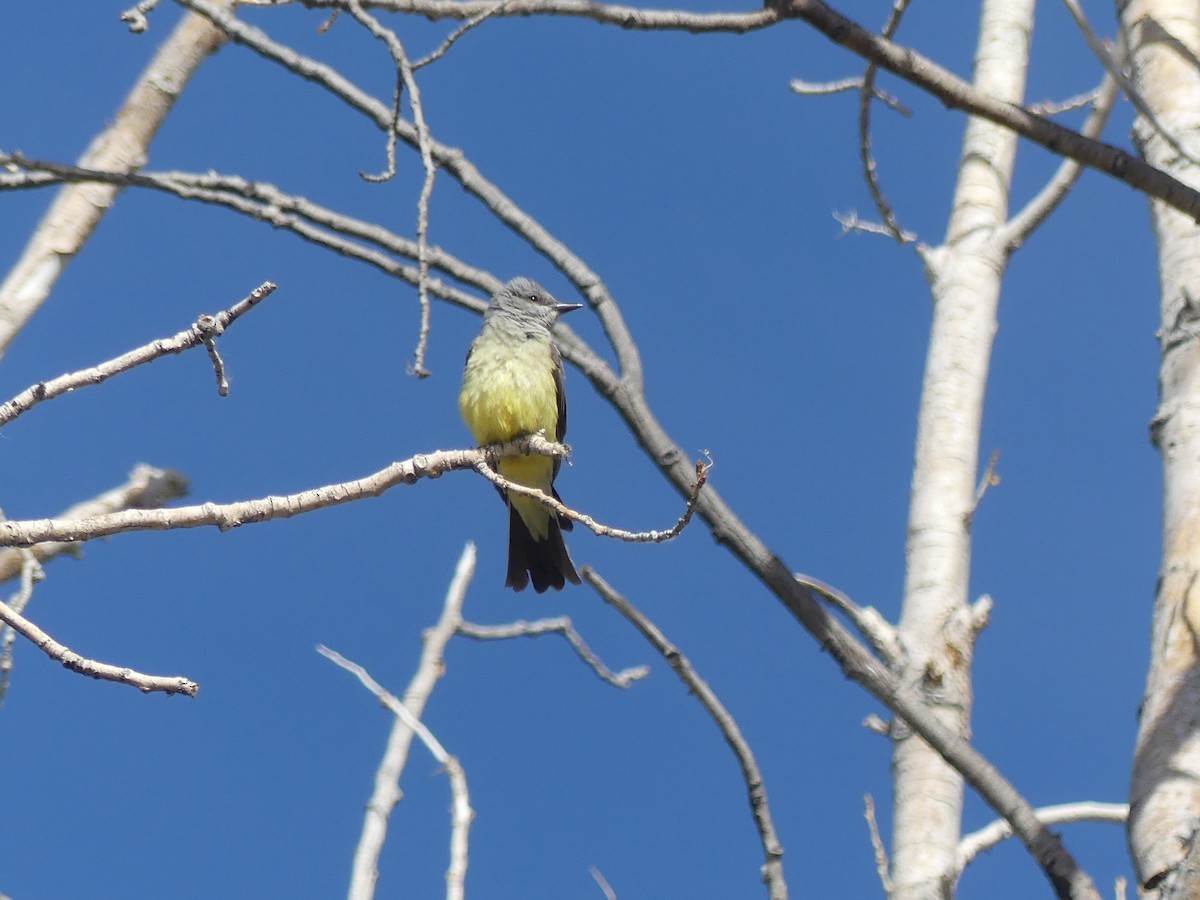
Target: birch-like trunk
[1163, 37]
[935, 626]
[121, 147]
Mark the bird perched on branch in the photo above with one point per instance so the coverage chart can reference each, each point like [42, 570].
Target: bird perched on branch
[512, 387]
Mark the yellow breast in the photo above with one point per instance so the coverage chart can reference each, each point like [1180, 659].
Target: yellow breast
[508, 390]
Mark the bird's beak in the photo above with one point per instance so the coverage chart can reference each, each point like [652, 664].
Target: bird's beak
[561, 308]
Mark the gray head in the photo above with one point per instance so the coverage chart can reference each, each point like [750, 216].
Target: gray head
[528, 303]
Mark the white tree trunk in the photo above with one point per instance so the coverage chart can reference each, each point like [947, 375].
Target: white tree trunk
[1164, 40]
[935, 627]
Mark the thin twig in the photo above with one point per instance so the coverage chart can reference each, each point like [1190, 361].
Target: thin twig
[136, 15]
[772, 871]
[176, 684]
[202, 332]
[459, 32]
[989, 479]
[386, 794]
[31, 573]
[485, 468]
[851, 222]
[881, 860]
[214, 357]
[1058, 107]
[389, 171]
[559, 625]
[828, 88]
[404, 73]
[869, 167]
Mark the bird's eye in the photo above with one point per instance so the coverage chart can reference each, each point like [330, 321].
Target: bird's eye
[533, 298]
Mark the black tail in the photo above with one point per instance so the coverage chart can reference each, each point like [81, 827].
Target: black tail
[545, 562]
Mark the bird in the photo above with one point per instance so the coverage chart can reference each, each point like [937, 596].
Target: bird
[513, 387]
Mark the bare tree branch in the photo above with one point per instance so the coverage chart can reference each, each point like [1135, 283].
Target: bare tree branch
[964, 274]
[176, 684]
[803, 598]
[842, 85]
[136, 15]
[458, 33]
[869, 167]
[850, 221]
[881, 860]
[560, 625]
[1037, 210]
[628, 17]
[204, 331]
[772, 870]
[995, 832]
[1057, 107]
[386, 795]
[226, 516]
[485, 468]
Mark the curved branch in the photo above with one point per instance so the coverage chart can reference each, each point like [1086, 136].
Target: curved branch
[772, 870]
[558, 625]
[998, 831]
[865, 95]
[1036, 211]
[653, 536]
[266, 203]
[167, 684]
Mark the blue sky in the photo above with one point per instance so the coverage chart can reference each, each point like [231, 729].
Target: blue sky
[685, 173]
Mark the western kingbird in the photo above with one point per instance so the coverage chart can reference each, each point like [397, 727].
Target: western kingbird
[512, 387]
